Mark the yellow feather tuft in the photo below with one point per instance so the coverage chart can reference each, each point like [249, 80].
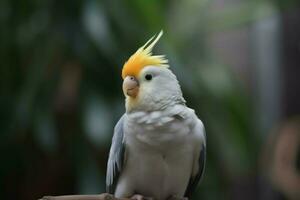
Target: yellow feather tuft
[143, 57]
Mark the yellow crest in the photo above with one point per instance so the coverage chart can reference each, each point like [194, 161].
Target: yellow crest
[143, 57]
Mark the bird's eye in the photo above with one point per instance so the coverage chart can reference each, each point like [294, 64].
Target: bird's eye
[148, 77]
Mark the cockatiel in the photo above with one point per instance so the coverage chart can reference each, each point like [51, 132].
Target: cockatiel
[159, 145]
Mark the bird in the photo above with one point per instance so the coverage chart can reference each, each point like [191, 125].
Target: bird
[158, 148]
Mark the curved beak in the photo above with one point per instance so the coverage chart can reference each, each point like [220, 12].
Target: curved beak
[131, 86]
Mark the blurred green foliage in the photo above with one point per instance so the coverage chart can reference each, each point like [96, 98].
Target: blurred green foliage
[61, 89]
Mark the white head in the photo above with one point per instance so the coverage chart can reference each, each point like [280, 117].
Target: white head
[148, 83]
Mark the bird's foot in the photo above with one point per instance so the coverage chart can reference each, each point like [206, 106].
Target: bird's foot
[174, 197]
[140, 197]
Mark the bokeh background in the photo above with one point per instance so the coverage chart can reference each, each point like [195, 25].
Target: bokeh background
[238, 62]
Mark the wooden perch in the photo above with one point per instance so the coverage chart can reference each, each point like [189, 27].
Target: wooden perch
[104, 196]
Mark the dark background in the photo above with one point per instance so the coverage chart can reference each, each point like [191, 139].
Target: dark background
[238, 63]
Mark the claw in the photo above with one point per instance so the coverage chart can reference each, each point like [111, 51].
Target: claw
[174, 197]
[140, 197]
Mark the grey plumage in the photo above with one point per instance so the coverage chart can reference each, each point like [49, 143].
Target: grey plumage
[116, 157]
[178, 114]
[194, 181]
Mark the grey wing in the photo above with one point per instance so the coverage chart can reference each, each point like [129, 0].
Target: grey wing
[194, 180]
[116, 157]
